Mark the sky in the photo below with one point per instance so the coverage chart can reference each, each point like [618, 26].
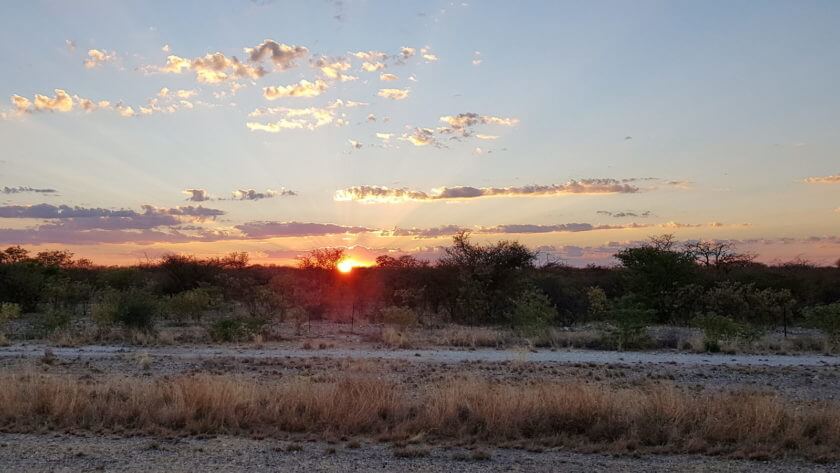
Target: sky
[136, 129]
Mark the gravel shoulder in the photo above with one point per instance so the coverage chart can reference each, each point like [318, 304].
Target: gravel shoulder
[438, 355]
[60, 453]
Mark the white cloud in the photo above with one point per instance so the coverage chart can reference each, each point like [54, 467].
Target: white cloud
[304, 88]
[98, 57]
[393, 94]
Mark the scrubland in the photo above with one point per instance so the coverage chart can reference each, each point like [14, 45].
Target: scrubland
[185, 348]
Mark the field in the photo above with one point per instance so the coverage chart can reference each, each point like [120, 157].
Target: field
[342, 398]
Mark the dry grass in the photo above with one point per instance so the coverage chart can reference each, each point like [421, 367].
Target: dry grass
[592, 417]
[472, 337]
[395, 338]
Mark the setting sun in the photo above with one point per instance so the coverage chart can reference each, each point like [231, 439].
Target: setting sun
[347, 265]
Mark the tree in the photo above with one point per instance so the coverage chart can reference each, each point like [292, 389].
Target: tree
[717, 254]
[55, 259]
[488, 277]
[321, 258]
[655, 270]
[13, 254]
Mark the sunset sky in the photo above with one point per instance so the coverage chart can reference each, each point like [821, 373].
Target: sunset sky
[134, 129]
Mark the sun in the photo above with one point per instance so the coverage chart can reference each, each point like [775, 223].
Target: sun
[347, 265]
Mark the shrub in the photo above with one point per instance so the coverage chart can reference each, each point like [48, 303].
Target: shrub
[826, 318]
[264, 302]
[298, 316]
[190, 304]
[717, 328]
[746, 304]
[401, 317]
[531, 312]
[628, 321]
[229, 330]
[133, 308]
[8, 311]
[597, 303]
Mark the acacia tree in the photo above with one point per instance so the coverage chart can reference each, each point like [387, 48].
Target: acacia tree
[321, 258]
[717, 254]
[489, 277]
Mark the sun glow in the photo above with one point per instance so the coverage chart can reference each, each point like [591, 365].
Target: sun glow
[346, 265]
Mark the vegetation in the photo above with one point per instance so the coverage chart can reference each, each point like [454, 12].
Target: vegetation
[704, 284]
[653, 418]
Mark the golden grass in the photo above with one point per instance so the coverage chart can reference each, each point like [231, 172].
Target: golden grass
[657, 418]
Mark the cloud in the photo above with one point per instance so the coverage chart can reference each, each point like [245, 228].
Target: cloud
[379, 194]
[21, 104]
[334, 68]
[62, 102]
[421, 137]
[426, 53]
[282, 55]
[420, 233]
[25, 189]
[304, 88]
[450, 230]
[294, 118]
[393, 94]
[458, 126]
[372, 66]
[625, 214]
[295, 229]
[212, 68]
[463, 123]
[251, 194]
[101, 218]
[98, 57]
[388, 77]
[833, 179]
[406, 52]
[196, 195]
[68, 235]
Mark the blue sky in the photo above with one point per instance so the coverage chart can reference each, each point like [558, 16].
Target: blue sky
[730, 106]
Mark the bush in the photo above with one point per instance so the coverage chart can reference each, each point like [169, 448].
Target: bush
[298, 316]
[628, 321]
[133, 308]
[826, 318]
[597, 303]
[401, 317]
[531, 312]
[8, 311]
[264, 302]
[747, 304]
[190, 304]
[717, 328]
[229, 330]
